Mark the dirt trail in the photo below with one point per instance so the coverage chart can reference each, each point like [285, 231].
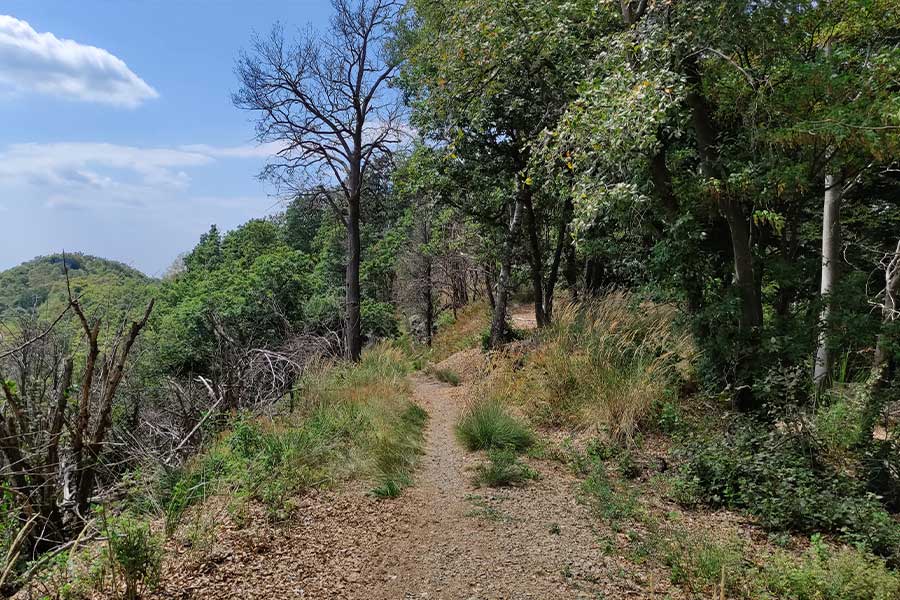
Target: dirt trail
[461, 542]
[441, 539]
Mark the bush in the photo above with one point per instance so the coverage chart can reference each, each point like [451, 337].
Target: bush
[136, 553]
[775, 475]
[486, 426]
[503, 469]
[606, 365]
[826, 574]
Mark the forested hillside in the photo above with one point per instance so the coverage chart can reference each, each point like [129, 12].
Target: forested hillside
[565, 299]
[39, 285]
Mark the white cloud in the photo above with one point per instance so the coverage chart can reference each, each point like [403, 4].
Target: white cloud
[95, 165]
[44, 63]
[247, 151]
[82, 174]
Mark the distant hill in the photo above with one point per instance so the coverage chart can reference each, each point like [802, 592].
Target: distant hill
[40, 284]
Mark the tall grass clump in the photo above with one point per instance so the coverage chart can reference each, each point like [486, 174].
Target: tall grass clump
[486, 425]
[503, 469]
[605, 364]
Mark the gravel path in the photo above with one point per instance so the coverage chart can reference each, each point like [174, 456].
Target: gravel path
[462, 542]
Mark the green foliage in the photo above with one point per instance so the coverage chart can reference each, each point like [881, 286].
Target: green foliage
[486, 425]
[503, 469]
[447, 376]
[606, 364]
[396, 452]
[777, 477]
[827, 574]
[612, 503]
[40, 284]
[136, 553]
[356, 420]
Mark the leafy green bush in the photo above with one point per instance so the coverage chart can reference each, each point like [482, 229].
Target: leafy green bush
[503, 469]
[487, 425]
[826, 574]
[136, 553]
[776, 476]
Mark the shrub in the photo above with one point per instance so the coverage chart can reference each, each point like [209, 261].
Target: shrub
[605, 365]
[486, 425]
[503, 469]
[826, 574]
[776, 476]
[136, 554]
[700, 561]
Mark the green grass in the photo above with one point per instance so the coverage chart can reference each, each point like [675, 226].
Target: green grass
[354, 421]
[486, 425]
[447, 376]
[503, 469]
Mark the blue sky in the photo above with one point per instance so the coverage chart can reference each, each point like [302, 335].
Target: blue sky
[117, 133]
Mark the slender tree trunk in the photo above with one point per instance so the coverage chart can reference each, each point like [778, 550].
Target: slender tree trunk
[489, 289]
[890, 313]
[354, 319]
[553, 276]
[428, 291]
[738, 223]
[884, 365]
[831, 243]
[535, 255]
[498, 321]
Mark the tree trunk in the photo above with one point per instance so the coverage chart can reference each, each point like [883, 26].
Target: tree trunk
[535, 255]
[831, 242]
[553, 276]
[890, 313]
[498, 321]
[738, 223]
[427, 292]
[561, 243]
[354, 319]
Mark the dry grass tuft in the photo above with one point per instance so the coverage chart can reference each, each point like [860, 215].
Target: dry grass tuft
[462, 333]
[603, 365]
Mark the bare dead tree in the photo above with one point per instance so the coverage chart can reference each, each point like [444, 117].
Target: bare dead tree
[890, 311]
[324, 102]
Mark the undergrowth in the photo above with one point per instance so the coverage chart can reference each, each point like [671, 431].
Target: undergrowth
[355, 421]
[607, 364]
[447, 376]
[503, 469]
[777, 476]
[460, 332]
